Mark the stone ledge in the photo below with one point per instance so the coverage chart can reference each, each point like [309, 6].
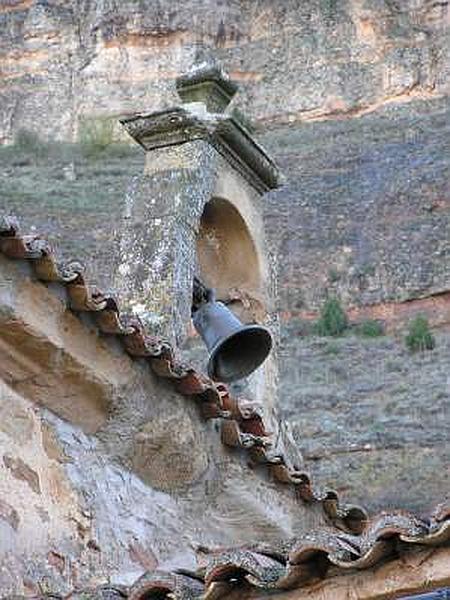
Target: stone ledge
[179, 125]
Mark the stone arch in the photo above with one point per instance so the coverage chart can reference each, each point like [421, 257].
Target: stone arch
[229, 259]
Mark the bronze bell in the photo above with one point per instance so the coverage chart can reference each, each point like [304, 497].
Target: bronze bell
[236, 350]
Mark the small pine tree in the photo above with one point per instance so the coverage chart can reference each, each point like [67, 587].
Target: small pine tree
[333, 320]
[419, 336]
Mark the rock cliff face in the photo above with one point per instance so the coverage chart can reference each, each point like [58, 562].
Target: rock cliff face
[296, 60]
[352, 100]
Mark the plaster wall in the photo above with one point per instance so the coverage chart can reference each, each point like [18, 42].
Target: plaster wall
[41, 521]
[83, 505]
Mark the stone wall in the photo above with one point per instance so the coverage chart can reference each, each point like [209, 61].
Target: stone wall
[91, 496]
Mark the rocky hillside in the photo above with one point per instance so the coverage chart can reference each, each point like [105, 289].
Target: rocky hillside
[352, 100]
[371, 418]
[365, 214]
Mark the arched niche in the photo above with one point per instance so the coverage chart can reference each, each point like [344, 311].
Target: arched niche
[228, 259]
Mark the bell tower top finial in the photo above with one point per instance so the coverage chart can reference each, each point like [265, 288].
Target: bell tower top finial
[206, 82]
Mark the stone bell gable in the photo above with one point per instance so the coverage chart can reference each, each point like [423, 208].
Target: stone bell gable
[197, 211]
[198, 206]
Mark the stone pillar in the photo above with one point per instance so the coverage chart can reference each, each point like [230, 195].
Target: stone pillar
[192, 156]
[157, 253]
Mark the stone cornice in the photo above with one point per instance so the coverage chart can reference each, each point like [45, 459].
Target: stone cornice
[178, 125]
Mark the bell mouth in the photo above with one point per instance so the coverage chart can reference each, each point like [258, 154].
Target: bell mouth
[239, 354]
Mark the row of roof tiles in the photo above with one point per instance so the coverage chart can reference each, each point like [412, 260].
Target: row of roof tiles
[351, 541]
[242, 421]
[293, 563]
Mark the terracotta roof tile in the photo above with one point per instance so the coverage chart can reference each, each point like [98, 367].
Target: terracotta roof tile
[177, 586]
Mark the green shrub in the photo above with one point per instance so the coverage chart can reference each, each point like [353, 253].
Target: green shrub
[332, 349]
[333, 320]
[29, 142]
[419, 335]
[95, 135]
[370, 328]
[333, 275]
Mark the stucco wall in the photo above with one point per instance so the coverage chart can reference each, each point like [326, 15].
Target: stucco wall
[85, 500]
